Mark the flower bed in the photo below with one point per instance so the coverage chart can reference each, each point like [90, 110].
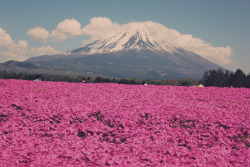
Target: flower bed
[75, 124]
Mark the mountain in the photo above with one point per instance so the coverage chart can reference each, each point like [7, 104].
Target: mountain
[33, 68]
[129, 54]
[12, 63]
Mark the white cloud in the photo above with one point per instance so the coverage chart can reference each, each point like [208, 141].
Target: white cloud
[43, 50]
[68, 28]
[38, 34]
[15, 51]
[100, 27]
[5, 38]
[12, 56]
[215, 54]
[10, 50]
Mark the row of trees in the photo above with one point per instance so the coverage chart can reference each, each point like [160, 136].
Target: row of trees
[98, 79]
[25, 76]
[182, 82]
[219, 78]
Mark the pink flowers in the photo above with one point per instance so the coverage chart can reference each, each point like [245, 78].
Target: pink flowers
[70, 124]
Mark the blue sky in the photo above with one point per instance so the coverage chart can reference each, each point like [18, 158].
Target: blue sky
[219, 23]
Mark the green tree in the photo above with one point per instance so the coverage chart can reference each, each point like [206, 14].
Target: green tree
[238, 79]
[215, 78]
[184, 82]
[248, 81]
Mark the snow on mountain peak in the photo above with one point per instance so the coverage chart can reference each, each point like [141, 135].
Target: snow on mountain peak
[135, 36]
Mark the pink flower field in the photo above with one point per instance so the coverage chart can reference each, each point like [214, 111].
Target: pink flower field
[75, 124]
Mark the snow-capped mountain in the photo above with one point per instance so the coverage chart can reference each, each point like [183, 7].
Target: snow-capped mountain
[129, 54]
[122, 41]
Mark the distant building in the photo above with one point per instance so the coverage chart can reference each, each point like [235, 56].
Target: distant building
[38, 79]
[200, 85]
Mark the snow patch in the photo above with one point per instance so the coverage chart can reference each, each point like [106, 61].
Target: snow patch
[135, 38]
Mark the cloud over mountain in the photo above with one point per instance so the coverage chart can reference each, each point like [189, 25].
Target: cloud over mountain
[101, 27]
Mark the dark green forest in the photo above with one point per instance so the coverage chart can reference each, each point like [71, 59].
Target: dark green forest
[217, 78]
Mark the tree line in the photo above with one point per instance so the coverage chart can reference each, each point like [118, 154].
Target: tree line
[217, 78]
[96, 79]
[43, 77]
